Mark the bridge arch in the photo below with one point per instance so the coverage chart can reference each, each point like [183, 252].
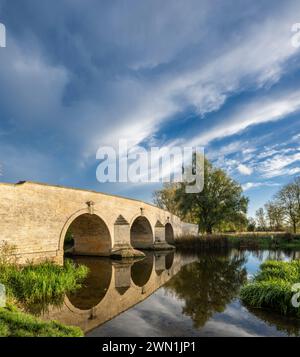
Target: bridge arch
[90, 233]
[169, 233]
[141, 234]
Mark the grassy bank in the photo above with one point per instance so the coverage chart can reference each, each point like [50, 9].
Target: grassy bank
[271, 288]
[31, 289]
[256, 240]
[15, 323]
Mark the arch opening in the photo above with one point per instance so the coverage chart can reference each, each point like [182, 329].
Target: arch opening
[141, 235]
[88, 235]
[169, 233]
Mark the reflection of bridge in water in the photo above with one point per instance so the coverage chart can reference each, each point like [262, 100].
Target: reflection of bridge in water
[113, 287]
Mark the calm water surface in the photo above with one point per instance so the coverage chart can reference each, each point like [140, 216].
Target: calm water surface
[173, 295]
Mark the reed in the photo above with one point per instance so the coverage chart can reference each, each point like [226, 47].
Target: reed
[207, 242]
[243, 240]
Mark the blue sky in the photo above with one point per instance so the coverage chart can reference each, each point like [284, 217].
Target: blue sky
[76, 75]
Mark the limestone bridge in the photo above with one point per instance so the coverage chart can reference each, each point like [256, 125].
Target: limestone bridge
[36, 217]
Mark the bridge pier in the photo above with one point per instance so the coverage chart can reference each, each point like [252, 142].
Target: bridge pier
[122, 273]
[121, 248]
[160, 238]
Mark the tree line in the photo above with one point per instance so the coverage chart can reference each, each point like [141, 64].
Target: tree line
[222, 206]
[282, 213]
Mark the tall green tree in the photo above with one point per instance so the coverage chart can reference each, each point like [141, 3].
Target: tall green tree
[165, 199]
[289, 199]
[220, 201]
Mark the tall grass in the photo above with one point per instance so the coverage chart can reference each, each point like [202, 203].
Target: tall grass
[246, 240]
[272, 287]
[36, 285]
[207, 242]
[33, 288]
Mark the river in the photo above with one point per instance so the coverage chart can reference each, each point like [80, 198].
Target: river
[172, 294]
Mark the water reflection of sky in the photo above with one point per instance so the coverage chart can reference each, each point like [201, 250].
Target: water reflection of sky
[254, 259]
[162, 315]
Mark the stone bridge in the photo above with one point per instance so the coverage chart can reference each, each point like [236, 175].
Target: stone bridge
[35, 219]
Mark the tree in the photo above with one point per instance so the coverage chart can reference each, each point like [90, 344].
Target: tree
[275, 215]
[260, 219]
[289, 199]
[296, 185]
[251, 225]
[220, 201]
[165, 198]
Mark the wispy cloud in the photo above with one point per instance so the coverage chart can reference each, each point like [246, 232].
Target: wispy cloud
[259, 111]
[110, 71]
[280, 164]
[249, 185]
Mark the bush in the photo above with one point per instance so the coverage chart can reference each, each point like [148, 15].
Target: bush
[272, 287]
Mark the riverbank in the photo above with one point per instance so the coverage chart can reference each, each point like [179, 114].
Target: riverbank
[29, 290]
[256, 240]
[273, 287]
[15, 323]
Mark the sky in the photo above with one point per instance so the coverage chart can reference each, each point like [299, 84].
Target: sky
[76, 75]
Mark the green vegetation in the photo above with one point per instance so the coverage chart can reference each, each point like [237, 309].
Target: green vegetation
[283, 212]
[264, 240]
[33, 288]
[14, 323]
[220, 205]
[207, 242]
[272, 287]
[255, 240]
[69, 241]
[32, 284]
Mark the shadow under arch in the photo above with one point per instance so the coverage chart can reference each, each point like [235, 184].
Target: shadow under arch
[141, 235]
[169, 233]
[95, 286]
[89, 234]
[142, 269]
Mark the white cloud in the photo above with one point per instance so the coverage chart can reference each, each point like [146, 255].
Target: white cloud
[258, 111]
[134, 72]
[244, 170]
[249, 185]
[278, 164]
